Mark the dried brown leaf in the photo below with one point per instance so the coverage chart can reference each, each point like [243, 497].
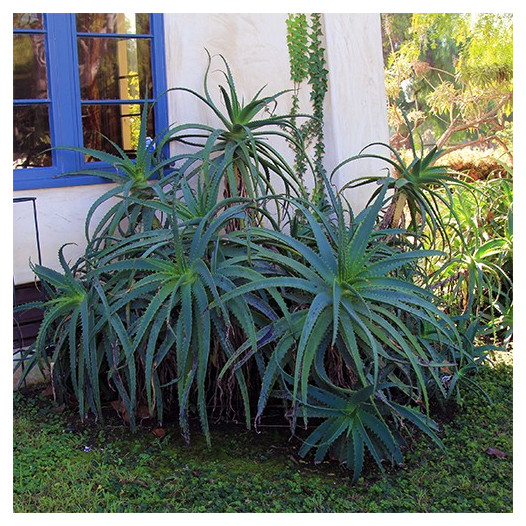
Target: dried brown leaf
[494, 452]
[159, 432]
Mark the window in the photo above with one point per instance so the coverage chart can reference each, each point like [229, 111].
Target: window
[77, 78]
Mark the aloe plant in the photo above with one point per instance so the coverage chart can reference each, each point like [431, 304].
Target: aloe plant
[353, 423]
[179, 290]
[138, 303]
[250, 164]
[141, 175]
[421, 187]
[343, 298]
[71, 310]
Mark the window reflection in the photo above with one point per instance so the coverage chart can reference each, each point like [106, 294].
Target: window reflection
[129, 23]
[118, 122]
[29, 67]
[115, 77]
[31, 129]
[27, 20]
[31, 136]
[114, 68]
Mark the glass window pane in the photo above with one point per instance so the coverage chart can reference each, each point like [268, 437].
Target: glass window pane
[31, 136]
[129, 23]
[114, 68]
[118, 122]
[29, 67]
[27, 21]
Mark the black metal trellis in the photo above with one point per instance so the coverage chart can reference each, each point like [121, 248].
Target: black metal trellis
[35, 219]
[32, 200]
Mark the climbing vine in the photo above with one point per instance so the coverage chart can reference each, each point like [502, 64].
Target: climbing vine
[307, 65]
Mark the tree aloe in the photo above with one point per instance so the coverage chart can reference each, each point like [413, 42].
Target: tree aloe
[182, 294]
[343, 298]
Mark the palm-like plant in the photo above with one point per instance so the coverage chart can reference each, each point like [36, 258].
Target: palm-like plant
[344, 298]
[241, 150]
[169, 297]
[421, 187]
[477, 276]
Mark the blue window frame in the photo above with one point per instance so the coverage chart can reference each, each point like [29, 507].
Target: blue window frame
[62, 101]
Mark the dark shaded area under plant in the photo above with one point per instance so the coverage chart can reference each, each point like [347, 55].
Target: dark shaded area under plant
[121, 472]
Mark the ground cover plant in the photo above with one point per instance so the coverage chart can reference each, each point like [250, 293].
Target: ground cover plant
[63, 465]
[195, 300]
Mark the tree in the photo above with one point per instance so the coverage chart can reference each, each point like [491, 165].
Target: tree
[451, 74]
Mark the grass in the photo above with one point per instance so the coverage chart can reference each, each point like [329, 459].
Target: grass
[61, 465]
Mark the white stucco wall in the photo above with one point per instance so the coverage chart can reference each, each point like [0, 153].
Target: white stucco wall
[256, 50]
[355, 104]
[255, 47]
[61, 216]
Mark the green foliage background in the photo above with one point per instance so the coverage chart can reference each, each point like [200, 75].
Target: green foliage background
[452, 73]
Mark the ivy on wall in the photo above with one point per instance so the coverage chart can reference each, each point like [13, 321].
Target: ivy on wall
[307, 65]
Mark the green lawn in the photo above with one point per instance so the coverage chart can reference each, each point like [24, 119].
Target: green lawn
[109, 470]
